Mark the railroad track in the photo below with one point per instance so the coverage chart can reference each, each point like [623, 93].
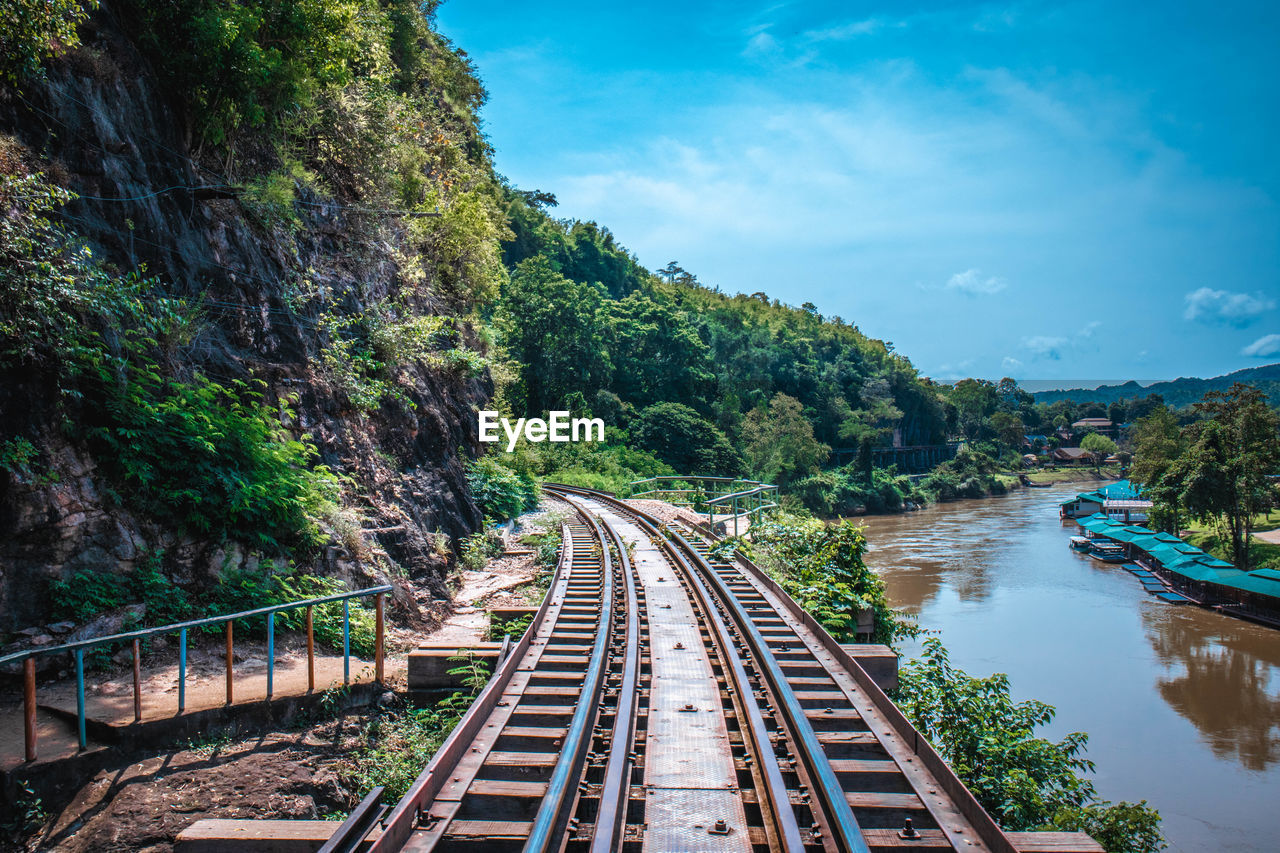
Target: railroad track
[669, 696]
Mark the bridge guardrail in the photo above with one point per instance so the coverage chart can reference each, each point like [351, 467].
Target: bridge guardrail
[741, 497]
[77, 649]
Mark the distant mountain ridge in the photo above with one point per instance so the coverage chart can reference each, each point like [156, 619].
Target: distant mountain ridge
[1177, 393]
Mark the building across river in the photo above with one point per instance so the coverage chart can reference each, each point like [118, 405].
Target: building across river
[1121, 501]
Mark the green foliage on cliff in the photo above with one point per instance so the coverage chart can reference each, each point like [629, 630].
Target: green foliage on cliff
[1024, 781]
[34, 30]
[209, 458]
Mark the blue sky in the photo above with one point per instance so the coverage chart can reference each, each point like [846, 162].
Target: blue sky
[1071, 190]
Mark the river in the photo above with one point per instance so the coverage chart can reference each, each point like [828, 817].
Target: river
[1182, 705]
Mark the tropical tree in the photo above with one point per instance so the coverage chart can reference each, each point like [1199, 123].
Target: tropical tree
[552, 329]
[1224, 475]
[778, 442]
[1098, 446]
[685, 440]
[1024, 781]
[1157, 443]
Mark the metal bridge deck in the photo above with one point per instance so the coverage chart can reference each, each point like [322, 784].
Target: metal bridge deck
[689, 777]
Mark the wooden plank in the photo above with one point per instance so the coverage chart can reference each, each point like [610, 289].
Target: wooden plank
[1054, 842]
[259, 836]
[534, 731]
[863, 765]
[882, 800]
[889, 838]
[859, 738]
[522, 759]
[501, 788]
[487, 829]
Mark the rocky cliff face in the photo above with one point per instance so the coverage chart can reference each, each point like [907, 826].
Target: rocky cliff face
[99, 126]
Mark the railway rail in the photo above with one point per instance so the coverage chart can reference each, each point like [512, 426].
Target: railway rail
[668, 695]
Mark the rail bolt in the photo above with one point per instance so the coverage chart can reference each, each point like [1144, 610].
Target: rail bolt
[908, 831]
[720, 828]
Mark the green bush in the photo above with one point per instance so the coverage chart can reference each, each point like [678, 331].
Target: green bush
[36, 29]
[821, 565]
[685, 440]
[475, 551]
[398, 745]
[1025, 782]
[499, 492]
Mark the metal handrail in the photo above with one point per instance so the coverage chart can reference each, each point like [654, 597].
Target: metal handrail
[77, 649]
[143, 633]
[764, 487]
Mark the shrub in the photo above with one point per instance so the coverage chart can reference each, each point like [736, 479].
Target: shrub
[499, 492]
[821, 565]
[477, 549]
[1026, 782]
[36, 29]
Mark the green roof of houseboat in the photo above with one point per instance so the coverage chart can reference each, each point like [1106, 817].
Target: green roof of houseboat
[1184, 558]
[1264, 581]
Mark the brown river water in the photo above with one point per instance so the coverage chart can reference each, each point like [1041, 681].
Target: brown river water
[1182, 705]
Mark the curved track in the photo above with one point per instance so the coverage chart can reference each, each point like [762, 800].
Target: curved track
[671, 697]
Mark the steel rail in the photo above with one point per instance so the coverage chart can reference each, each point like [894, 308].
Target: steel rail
[611, 820]
[782, 814]
[840, 817]
[404, 817]
[554, 810]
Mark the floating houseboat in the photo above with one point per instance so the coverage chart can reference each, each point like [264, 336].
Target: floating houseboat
[1107, 552]
[1120, 501]
[1080, 543]
[1190, 572]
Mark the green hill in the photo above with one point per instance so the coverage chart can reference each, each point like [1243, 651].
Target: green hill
[1176, 393]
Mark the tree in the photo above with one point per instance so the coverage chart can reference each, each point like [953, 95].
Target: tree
[1157, 443]
[1009, 428]
[1224, 473]
[36, 29]
[779, 443]
[1025, 782]
[975, 400]
[685, 440]
[551, 327]
[671, 271]
[1098, 446]
[656, 353]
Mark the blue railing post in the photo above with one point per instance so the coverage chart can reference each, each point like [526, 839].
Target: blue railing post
[346, 641]
[182, 670]
[84, 741]
[271, 652]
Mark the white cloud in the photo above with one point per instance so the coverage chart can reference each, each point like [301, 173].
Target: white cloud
[852, 29]
[1089, 329]
[1011, 363]
[973, 281]
[1224, 306]
[1045, 346]
[1264, 347]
